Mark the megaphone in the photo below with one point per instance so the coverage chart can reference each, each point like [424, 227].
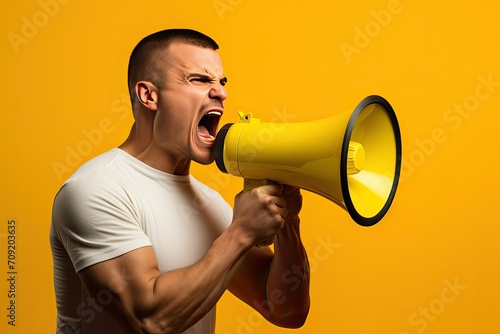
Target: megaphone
[352, 159]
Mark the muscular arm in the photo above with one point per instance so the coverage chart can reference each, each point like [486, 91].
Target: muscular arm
[277, 286]
[288, 282]
[147, 301]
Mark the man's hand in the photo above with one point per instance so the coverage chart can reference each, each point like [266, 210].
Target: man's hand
[293, 199]
[260, 212]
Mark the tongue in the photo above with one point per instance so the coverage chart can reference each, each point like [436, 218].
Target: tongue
[202, 130]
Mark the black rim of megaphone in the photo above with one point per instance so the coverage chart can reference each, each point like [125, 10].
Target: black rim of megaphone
[218, 147]
[361, 220]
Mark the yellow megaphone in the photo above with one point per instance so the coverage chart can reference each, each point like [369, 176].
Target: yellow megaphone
[353, 159]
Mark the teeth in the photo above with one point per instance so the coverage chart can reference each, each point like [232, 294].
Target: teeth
[217, 113]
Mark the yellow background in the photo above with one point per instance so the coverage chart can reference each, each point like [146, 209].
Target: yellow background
[430, 266]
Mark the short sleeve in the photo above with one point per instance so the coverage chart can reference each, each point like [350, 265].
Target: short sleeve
[96, 219]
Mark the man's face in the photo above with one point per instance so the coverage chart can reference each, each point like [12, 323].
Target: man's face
[190, 103]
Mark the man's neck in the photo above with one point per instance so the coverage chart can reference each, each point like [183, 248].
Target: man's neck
[135, 144]
[142, 148]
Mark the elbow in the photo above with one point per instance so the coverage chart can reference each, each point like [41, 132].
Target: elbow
[142, 325]
[296, 321]
[150, 325]
[291, 320]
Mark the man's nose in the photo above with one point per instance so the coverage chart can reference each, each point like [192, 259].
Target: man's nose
[218, 92]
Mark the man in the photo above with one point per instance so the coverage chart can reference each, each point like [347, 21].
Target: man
[140, 246]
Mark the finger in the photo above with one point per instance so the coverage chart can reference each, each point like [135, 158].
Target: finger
[282, 224]
[288, 189]
[283, 212]
[272, 189]
[280, 202]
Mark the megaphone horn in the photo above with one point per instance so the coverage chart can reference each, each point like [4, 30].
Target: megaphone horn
[353, 159]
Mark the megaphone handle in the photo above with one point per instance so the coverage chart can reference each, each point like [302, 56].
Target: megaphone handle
[248, 185]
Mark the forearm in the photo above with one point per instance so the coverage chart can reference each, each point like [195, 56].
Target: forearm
[287, 289]
[180, 298]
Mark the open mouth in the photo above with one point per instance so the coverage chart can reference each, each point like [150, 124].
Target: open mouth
[207, 127]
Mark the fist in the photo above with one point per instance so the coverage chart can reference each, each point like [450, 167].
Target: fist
[260, 212]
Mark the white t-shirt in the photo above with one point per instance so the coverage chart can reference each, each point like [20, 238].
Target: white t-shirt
[114, 204]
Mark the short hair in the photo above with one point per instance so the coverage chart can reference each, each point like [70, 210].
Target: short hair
[145, 50]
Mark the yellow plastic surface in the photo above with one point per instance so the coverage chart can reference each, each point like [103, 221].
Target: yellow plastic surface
[308, 155]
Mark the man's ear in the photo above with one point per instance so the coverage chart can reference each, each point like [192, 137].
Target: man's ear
[147, 94]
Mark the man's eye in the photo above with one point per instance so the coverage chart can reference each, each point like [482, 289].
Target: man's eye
[197, 80]
[201, 80]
